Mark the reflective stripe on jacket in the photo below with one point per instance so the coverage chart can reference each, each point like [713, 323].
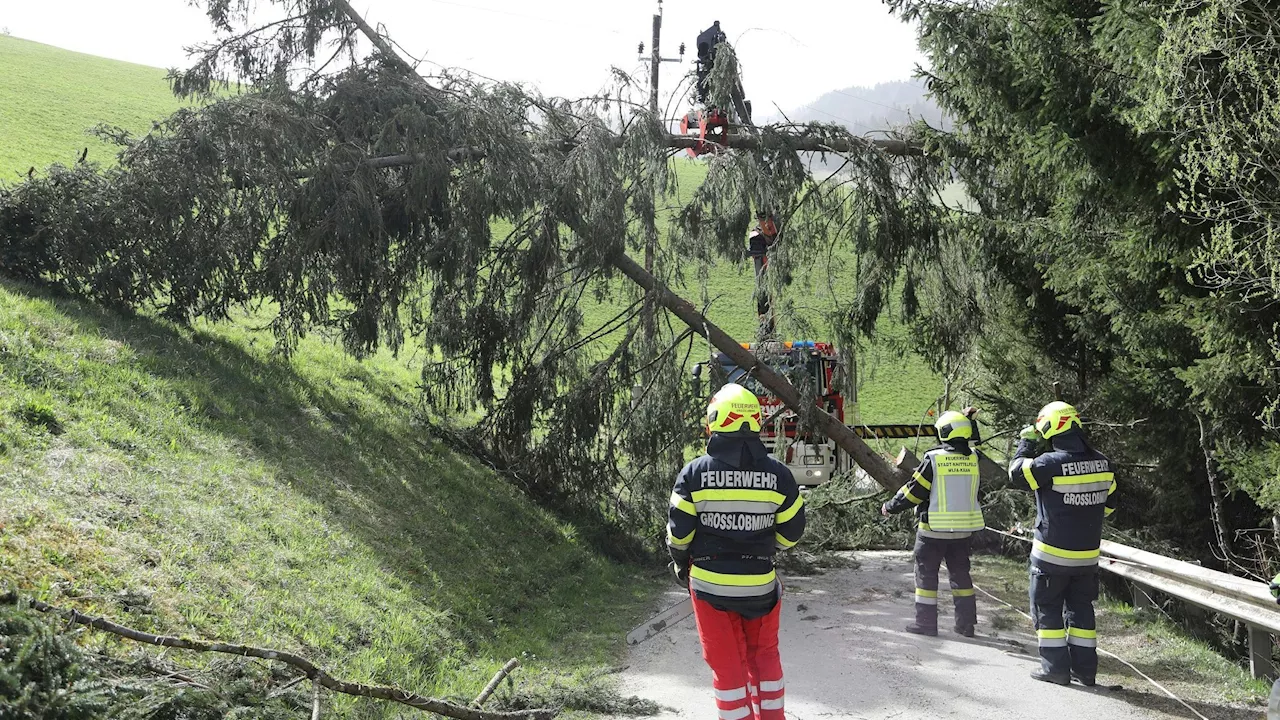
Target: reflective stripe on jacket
[730, 511]
[1075, 490]
[944, 492]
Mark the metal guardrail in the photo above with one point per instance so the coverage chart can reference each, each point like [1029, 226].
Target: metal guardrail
[1242, 600]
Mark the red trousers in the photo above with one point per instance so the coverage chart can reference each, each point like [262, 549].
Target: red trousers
[746, 670]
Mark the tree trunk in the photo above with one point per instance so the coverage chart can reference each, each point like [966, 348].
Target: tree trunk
[875, 465]
[798, 142]
[870, 461]
[1217, 495]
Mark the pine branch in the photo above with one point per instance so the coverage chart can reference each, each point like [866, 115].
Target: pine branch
[512, 664]
[857, 499]
[315, 699]
[382, 45]
[318, 675]
[888, 477]
[286, 687]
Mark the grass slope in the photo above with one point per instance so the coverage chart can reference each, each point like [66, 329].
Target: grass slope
[50, 97]
[194, 482]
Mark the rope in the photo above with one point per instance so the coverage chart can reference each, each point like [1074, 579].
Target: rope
[1108, 653]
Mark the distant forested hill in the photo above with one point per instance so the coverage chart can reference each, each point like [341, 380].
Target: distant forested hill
[868, 109]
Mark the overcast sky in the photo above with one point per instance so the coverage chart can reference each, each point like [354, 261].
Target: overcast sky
[792, 51]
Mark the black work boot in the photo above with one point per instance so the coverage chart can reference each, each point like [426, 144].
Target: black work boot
[917, 629]
[1055, 678]
[1086, 681]
[965, 630]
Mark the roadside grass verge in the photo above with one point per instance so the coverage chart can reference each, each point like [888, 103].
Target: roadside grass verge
[193, 482]
[1189, 668]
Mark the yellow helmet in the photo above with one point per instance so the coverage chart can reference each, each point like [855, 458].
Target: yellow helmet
[732, 408]
[952, 425]
[1056, 418]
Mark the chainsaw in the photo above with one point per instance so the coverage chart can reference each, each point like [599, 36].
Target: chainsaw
[661, 621]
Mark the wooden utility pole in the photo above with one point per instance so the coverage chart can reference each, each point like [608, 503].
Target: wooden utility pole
[656, 61]
[651, 242]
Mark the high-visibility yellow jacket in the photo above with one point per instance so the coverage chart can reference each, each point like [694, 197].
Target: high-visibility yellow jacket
[943, 490]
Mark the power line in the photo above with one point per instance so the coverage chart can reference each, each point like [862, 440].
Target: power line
[539, 18]
[794, 39]
[941, 115]
[873, 102]
[837, 117]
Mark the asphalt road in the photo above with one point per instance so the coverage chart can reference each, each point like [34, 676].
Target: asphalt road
[844, 655]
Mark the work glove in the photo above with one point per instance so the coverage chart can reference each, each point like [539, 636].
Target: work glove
[1275, 587]
[681, 572]
[1030, 433]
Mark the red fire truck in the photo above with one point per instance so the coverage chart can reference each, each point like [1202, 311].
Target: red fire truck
[812, 457]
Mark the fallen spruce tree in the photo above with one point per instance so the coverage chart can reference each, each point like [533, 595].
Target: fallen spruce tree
[282, 193]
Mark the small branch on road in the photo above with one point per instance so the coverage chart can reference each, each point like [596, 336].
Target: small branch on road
[315, 699]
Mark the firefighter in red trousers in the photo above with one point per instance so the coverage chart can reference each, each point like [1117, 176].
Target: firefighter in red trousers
[731, 510]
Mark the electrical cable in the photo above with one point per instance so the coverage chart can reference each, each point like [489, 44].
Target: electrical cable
[841, 119]
[538, 18]
[873, 102]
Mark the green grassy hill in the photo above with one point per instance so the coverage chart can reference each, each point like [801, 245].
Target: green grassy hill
[50, 98]
[194, 482]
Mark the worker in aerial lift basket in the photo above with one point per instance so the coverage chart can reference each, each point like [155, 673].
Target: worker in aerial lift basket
[1075, 491]
[762, 237]
[731, 510]
[943, 490]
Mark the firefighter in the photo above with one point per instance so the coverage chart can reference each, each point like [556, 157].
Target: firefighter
[731, 510]
[943, 490]
[1075, 491]
[762, 237]
[706, 46]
